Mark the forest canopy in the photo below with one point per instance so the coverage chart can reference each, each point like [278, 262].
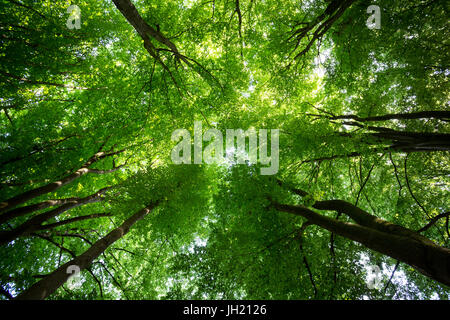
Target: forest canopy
[224, 149]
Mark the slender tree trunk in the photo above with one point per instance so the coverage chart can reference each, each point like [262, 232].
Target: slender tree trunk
[35, 223]
[36, 149]
[130, 12]
[33, 193]
[72, 220]
[49, 284]
[22, 211]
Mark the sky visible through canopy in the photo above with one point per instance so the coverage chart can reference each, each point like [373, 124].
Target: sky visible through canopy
[224, 149]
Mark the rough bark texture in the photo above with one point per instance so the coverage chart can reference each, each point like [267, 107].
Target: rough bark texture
[130, 12]
[403, 141]
[146, 32]
[50, 283]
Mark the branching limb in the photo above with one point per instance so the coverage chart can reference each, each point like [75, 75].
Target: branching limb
[434, 220]
[305, 261]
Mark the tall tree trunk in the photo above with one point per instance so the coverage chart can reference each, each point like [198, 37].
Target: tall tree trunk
[22, 211]
[443, 115]
[72, 220]
[35, 223]
[321, 24]
[49, 284]
[404, 141]
[414, 141]
[33, 193]
[384, 237]
[399, 141]
[129, 11]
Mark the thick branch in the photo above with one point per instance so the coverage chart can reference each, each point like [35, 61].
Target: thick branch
[443, 115]
[426, 257]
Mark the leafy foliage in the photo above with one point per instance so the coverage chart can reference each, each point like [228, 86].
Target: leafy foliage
[66, 95]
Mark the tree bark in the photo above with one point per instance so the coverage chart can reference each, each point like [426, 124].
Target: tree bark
[72, 220]
[35, 223]
[414, 141]
[423, 255]
[357, 214]
[36, 149]
[49, 284]
[129, 11]
[22, 211]
[323, 23]
[33, 193]
[404, 141]
[398, 116]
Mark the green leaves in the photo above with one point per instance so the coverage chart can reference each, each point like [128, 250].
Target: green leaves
[64, 93]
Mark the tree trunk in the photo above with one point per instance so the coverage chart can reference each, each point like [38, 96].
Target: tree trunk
[49, 284]
[22, 211]
[36, 149]
[72, 220]
[443, 115]
[384, 237]
[30, 194]
[404, 141]
[129, 11]
[35, 223]
[415, 141]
